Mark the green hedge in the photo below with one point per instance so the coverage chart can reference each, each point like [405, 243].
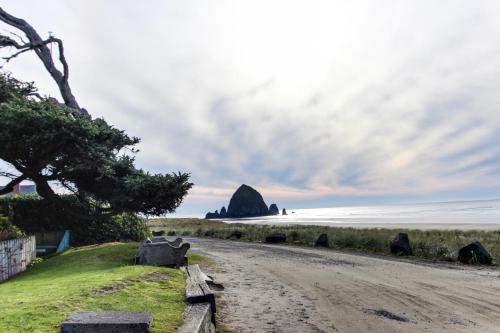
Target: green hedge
[32, 214]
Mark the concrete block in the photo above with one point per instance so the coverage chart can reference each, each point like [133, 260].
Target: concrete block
[107, 322]
[162, 254]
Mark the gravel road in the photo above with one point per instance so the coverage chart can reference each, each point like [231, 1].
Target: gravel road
[272, 288]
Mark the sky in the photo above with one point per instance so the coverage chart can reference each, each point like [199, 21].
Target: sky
[313, 103]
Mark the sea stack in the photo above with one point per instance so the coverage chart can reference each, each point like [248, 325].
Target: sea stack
[214, 215]
[283, 212]
[223, 212]
[246, 202]
[273, 210]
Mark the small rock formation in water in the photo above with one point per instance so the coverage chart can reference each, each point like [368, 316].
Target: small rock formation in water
[400, 245]
[283, 212]
[214, 215]
[273, 210]
[277, 237]
[223, 212]
[474, 253]
[322, 241]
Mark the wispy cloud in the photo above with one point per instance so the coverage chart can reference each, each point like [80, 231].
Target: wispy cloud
[300, 99]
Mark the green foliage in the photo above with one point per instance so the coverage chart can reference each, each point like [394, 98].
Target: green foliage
[10, 88]
[8, 230]
[122, 227]
[46, 141]
[35, 262]
[31, 213]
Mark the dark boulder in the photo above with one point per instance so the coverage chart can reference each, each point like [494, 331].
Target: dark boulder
[214, 215]
[158, 233]
[474, 253]
[246, 202]
[273, 210]
[236, 234]
[277, 237]
[322, 241]
[400, 245]
[223, 212]
[210, 233]
[283, 212]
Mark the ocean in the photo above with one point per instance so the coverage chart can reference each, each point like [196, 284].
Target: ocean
[480, 214]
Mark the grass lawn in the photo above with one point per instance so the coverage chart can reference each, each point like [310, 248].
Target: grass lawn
[92, 278]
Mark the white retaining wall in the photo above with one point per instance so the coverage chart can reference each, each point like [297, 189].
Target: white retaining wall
[15, 254]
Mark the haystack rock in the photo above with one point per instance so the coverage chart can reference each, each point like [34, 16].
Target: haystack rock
[273, 210]
[246, 202]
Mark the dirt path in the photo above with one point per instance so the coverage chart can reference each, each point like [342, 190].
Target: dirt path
[290, 289]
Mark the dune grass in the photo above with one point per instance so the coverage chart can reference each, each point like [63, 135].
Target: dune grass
[92, 278]
[442, 245]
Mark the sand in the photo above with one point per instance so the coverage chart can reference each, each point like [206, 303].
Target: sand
[420, 223]
[290, 289]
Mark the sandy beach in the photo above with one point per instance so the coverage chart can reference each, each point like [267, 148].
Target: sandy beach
[481, 224]
[290, 289]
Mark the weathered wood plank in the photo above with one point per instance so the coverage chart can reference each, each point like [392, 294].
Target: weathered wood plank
[197, 319]
[197, 290]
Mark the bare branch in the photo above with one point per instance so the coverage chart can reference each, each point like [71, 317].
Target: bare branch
[8, 175]
[37, 95]
[37, 44]
[10, 186]
[18, 36]
[12, 56]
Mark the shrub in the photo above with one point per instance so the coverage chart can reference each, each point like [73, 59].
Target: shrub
[123, 227]
[8, 230]
[34, 214]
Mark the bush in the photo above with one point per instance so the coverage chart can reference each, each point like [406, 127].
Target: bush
[34, 214]
[123, 227]
[8, 230]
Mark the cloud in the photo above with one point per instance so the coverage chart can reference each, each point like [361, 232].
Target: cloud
[305, 99]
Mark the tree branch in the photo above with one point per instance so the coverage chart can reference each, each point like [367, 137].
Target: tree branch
[10, 186]
[37, 44]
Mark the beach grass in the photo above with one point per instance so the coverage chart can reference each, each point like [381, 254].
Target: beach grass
[92, 278]
[439, 245]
